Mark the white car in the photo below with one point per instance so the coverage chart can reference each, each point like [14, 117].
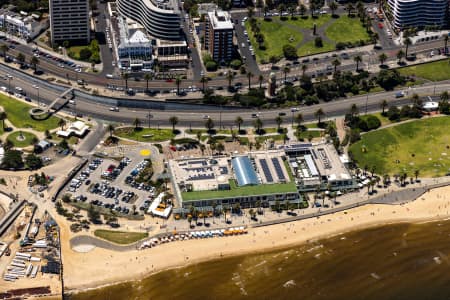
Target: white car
[78, 70]
[294, 109]
[114, 108]
[205, 117]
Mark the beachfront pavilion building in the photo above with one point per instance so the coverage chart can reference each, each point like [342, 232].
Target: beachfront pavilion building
[319, 167]
[252, 180]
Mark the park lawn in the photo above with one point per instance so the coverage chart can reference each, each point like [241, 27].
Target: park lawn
[346, 29]
[311, 133]
[75, 51]
[21, 144]
[276, 35]
[309, 48]
[418, 145]
[18, 115]
[434, 71]
[145, 134]
[308, 23]
[120, 237]
[235, 191]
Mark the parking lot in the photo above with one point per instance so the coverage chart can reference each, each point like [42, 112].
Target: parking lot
[114, 184]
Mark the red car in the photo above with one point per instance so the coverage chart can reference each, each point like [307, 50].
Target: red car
[380, 25]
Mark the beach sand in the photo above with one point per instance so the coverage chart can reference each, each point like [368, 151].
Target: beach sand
[101, 267]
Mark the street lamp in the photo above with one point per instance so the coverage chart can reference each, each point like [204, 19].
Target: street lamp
[149, 116]
[37, 91]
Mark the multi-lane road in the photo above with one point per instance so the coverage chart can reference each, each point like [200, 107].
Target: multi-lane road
[195, 117]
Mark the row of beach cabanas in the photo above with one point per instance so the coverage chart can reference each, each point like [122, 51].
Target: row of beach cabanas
[193, 235]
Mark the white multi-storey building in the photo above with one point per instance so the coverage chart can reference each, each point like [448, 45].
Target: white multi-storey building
[160, 18]
[21, 26]
[219, 36]
[69, 21]
[418, 13]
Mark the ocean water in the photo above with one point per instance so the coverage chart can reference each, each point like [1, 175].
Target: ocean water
[402, 261]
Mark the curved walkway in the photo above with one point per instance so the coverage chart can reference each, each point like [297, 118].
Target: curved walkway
[89, 240]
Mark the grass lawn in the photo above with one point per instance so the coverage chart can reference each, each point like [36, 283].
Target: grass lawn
[26, 142]
[276, 35]
[235, 191]
[120, 237]
[308, 23]
[346, 29]
[434, 71]
[422, 145]
[309, 48]
[18, 115]
[145, 134]
[313, 133]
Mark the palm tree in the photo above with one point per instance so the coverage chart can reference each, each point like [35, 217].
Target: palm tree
[312, 8]
[4, 48]
[357, 60]
[203, 80]
[286, 70]
[202, 148]
[400, 55]
[220, 147]
[125, 77]
[34, 61]
[189, 218]
[136, 123]
[302, 10]
[3, 117]
[209, 124]
[304, 68]
[382, 58]
[416, 174]
[258, 124]
[281, 9]
[239, 122]
[384, 105]
[62, 123]
[260, 79]
[20, 58]
[249, 77]
[444, 96]
[407, 43]
[354, 110]
[111, 129]
[174, 121]
[333, 7]
[8, 145]
[250, 12]
[335, 64]
[147, 77]
[230, 77]
[319, 114]
[279, 121]
[225, 210]
[445, 36]
[178, 82]
[350, 9]
[299, 120]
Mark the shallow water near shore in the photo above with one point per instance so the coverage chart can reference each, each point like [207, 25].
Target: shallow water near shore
[401, 261]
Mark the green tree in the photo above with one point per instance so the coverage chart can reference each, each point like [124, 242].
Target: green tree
[407, 42]
[93, 214]
[286, 70]
[33, 161]
[358, 60]
[61, 123]
[3, 117]
[125, 77]
[319, 114]
[299, 120]
[383, 105]
[174, 121]
[203, 81]
[305, 67]
[333, 7]
[209, 124]
[382, 58]
[238, 121]
[20, 58]
[4, 48]
[260, 80]
[230, 77]
[279, 121]
[336, 62]
[147, 77]
[258, 124]
[34, 61]
[249, 77]
[111, 129]
[400, 55]
[136, 123]
[178, 82]
[12, 159]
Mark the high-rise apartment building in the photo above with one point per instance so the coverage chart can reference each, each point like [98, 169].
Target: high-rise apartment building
[69, 21]
[417, 13]
[219, 36]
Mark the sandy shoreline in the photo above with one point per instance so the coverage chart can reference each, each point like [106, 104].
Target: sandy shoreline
[82, 270]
